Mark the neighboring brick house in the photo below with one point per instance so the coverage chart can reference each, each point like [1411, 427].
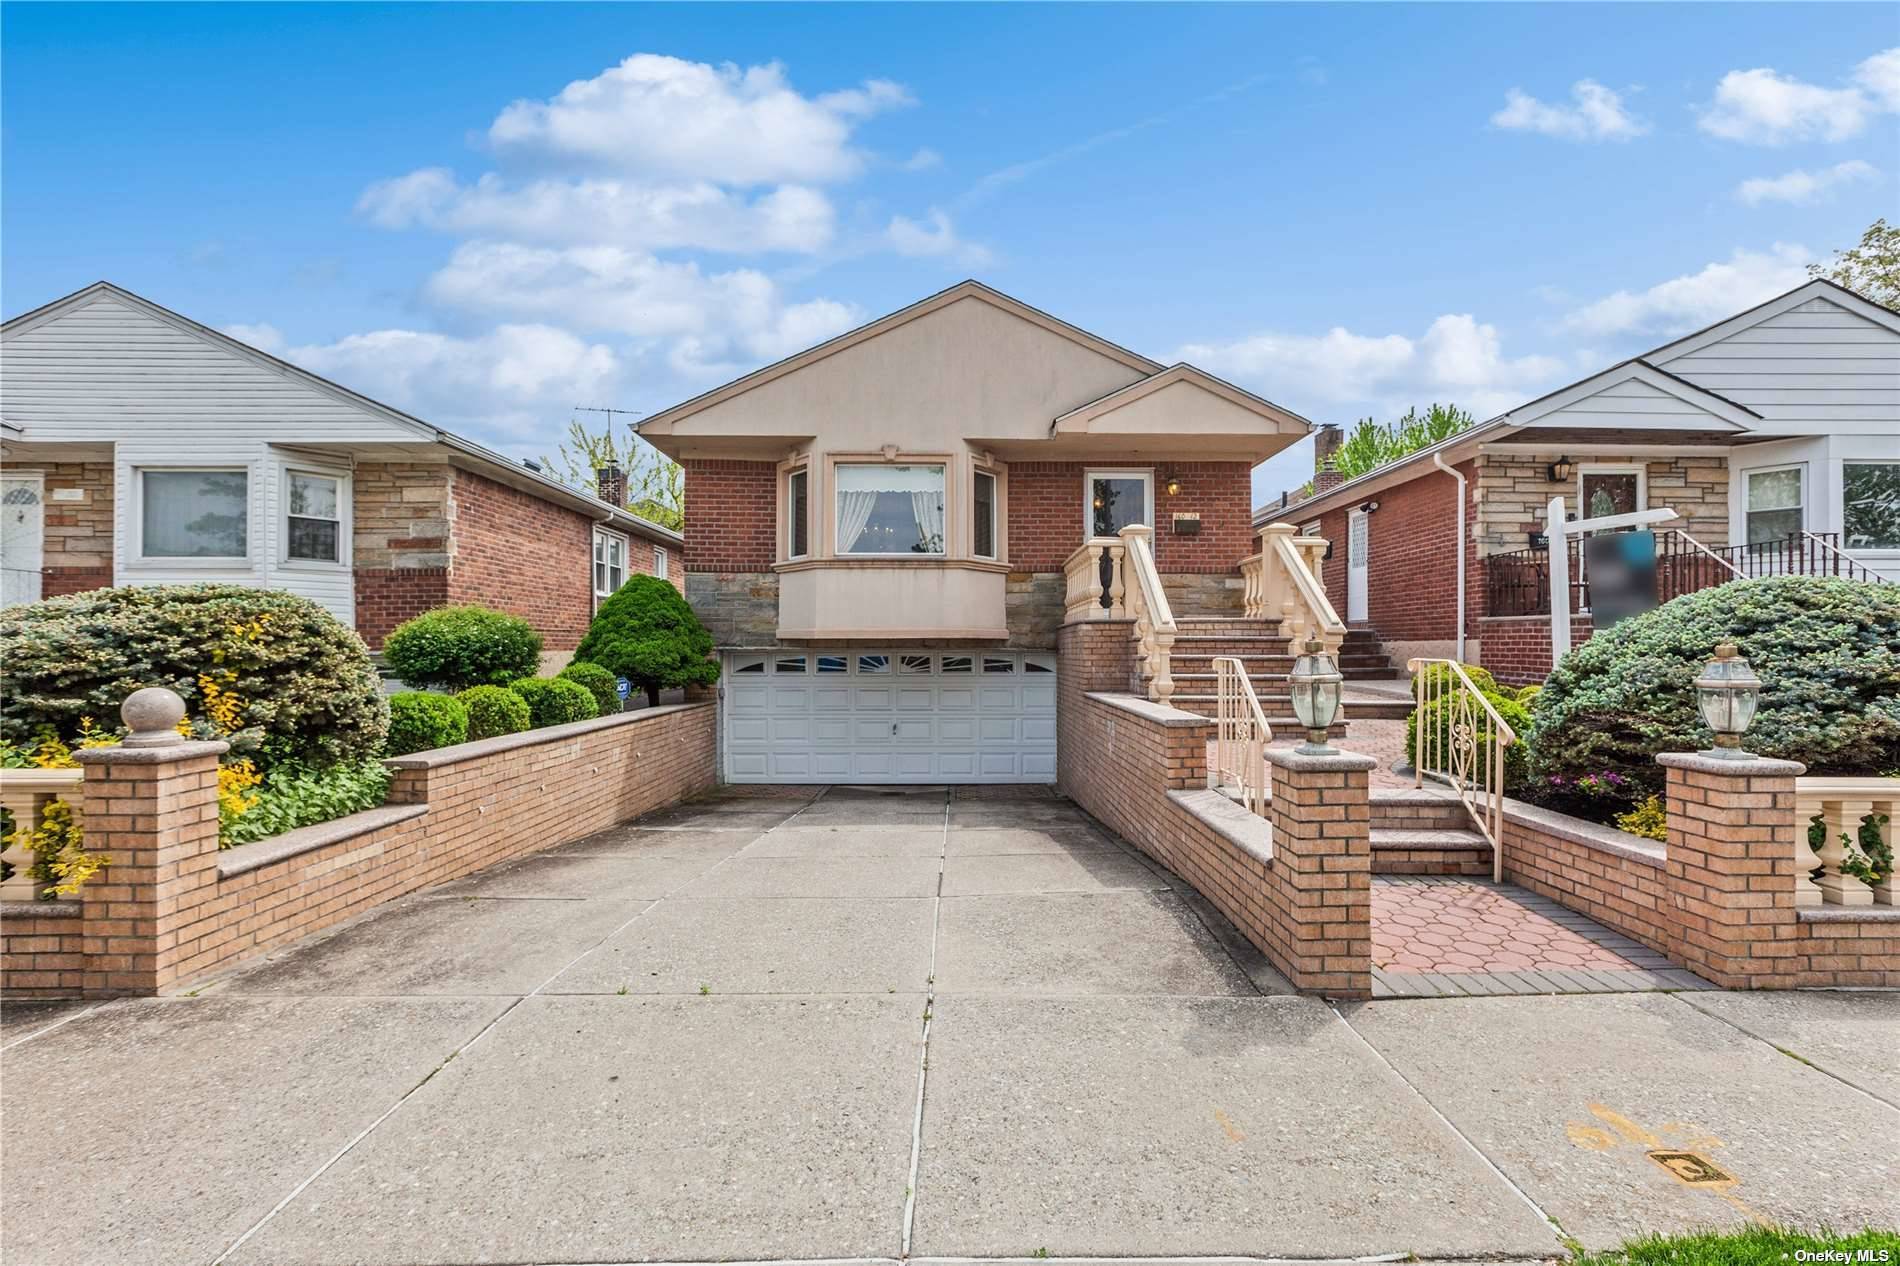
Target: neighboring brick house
[1773, 435]
[882, 530]
[141, 447]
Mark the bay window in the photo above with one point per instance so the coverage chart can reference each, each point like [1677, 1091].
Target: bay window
[194, 513]
[1773, 505]
[1870, 505]
[894, 509]
[313, 517]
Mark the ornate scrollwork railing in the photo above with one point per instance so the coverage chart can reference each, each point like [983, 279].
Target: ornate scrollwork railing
[1459, 738]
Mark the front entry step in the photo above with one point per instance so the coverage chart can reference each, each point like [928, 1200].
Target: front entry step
[1411, 852]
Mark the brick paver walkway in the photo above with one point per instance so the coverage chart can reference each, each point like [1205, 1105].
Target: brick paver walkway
[1434, 936]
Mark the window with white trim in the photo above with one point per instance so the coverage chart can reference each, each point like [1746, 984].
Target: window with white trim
[195, 513]
[313, 517]
[797, 514]
[1870, 505]
[610, 564]
[983, 524]
[1772, 510]
[890, 509]
[660, 561]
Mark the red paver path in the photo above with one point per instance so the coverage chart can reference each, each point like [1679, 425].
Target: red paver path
[1458, 926]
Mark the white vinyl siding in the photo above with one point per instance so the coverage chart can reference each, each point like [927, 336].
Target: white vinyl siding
[1814, 369]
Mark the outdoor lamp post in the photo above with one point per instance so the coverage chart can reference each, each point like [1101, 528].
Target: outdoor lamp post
[1727, 692]
[1315, 688]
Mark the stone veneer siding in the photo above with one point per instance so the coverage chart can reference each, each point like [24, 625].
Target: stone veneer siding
[172, 908]
[400, 543]
[1515, 489]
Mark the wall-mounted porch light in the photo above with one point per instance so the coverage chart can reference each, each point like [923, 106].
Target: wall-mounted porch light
[1727, 693]
[1561, 470]
[1173, 484]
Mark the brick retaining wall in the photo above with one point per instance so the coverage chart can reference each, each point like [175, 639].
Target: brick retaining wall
[172, 908]
[1516, 648]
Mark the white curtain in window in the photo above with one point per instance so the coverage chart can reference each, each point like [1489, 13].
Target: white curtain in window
[927, 509]
[854, 511]
[194, 513]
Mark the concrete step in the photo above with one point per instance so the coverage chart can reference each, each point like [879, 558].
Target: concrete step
[1415, 852]
[1364, 708]
[1420, 808]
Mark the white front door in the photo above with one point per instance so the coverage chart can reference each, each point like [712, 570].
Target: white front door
[890, 716]
[22, 539]
[1358, 563]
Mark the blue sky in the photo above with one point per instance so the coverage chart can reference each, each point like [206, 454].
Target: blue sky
[490, 214]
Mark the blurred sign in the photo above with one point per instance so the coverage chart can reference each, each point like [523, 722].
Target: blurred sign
[1621, 570]
[624, 686]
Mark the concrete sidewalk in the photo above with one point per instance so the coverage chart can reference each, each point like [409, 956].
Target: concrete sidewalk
[784, 1025]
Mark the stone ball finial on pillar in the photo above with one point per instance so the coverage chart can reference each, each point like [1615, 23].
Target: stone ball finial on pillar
[152, 714]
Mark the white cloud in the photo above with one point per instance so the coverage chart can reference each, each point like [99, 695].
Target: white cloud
[923, 160]
[1764, 107]
[662, 117]
[608, 210]
[1684, 303]
[933, 236]
[515, 383]
[734, 315]
[1802, 187]
[1596, 114]
[1458, 360]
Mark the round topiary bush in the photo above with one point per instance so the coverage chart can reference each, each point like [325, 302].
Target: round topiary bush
[459, 647]
[290, 682]
[600, 683]
[648, 634]
[552, 701]
[494, 711]
[1827, 651]
[421, 722]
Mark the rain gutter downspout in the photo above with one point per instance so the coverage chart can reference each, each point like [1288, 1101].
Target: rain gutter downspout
[1438, 460]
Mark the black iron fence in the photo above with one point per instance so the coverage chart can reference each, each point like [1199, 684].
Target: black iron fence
[1518, 582]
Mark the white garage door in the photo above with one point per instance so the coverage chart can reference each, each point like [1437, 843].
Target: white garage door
[890, 716]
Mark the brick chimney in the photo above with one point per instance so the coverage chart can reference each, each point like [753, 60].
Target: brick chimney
[1326, 442]
[612, 483]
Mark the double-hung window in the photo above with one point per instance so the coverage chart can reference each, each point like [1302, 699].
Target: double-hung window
[610, 564]
[1773, 507]
[313, 517]
[194, 513]
[797, 514]
[660, 561]
[890, 509]
[1870, 505]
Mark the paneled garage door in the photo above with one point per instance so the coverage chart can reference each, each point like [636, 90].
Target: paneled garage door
[890, 716]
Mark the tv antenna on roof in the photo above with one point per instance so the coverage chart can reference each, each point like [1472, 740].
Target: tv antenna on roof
[631, 413]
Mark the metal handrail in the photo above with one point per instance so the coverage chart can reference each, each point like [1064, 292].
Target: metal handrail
[1733, 569]
[1842, 556]
[1241, 735]
[1450, 751]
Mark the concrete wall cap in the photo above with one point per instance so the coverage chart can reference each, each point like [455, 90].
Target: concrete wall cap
[67, 909]
[1149, 710]
[528, 738]
[1336, 762]
[185, 749]
[1755, 767]
[1248, 832]
[249, 857]
[1635, 848]
[1849, 914]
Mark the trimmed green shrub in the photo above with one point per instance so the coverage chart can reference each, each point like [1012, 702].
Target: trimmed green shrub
[554, 701]
[1827, 651]
[420, 722]
[288, 681]
[459, 647]
[494, 711]
[600, 683]
[648, 634]
[292, 796]
[1444, 708]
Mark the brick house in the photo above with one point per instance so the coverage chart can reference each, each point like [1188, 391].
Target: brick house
[141, 447]
[890, 531]
[1774, 435]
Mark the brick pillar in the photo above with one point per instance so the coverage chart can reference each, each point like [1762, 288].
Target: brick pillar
[1097, 655]
[1322, 865]
[153, 811]
[1730, 868]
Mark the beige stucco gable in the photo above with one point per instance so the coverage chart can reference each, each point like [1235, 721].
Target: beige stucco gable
[965, 368]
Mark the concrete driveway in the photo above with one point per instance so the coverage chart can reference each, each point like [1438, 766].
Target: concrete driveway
[781, 1024]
